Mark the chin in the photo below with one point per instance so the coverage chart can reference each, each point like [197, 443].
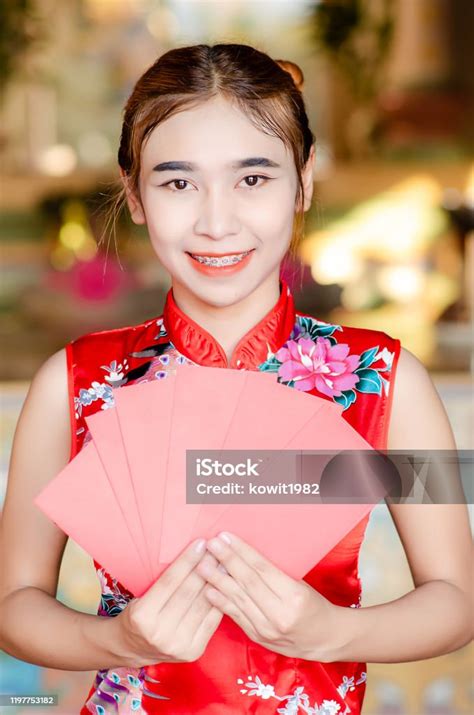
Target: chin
[221, 295]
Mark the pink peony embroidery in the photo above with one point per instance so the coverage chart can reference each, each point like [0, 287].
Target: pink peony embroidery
[318, 365]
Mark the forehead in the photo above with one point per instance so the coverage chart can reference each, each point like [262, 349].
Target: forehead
[212, 134]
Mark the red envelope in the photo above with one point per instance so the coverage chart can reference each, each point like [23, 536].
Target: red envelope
[257, 425]
[202, 411]
[297, 536]
[105, 430]
[80, 501]
[143, 413]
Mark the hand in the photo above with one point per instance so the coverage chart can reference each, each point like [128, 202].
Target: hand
[275, 610]
[173, 621]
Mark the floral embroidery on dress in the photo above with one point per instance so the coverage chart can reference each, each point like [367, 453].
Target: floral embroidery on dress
[119, 373]
[117, 690]
[312, 359]
[163, 355]
[120, 689]
[298, 701]
[114, 597]
[97, 391]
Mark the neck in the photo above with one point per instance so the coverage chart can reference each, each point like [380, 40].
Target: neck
[228, 324]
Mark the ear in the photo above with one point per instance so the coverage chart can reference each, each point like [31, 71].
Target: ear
[307, 178]
[134, 205]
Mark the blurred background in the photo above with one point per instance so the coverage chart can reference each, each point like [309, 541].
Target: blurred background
[389, 240]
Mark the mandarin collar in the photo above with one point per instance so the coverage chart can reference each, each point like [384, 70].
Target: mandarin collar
[195, 343]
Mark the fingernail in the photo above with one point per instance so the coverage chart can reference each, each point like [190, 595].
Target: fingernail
[215, 545]
[199, 546]
[225, 537]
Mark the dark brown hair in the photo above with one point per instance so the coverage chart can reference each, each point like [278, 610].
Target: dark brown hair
[268, 92]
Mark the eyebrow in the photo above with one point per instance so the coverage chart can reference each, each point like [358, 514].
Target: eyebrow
[240, 164]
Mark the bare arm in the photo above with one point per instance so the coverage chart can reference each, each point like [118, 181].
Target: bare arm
[171, 622]
[436, 616]
[34, 626]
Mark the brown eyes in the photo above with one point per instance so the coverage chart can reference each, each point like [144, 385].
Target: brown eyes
[176, 181]
[254, 176]
[180, 182]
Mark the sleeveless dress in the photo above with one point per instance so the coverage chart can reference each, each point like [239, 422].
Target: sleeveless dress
[352, 366]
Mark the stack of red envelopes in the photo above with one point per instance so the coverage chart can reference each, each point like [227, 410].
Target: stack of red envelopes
[123, 496]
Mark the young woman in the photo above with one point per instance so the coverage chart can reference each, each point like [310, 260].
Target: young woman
[216, 158]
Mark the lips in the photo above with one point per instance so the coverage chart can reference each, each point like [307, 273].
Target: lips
[218, 255]
[211, 264]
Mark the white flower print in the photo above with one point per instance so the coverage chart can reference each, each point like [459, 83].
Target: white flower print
[120, 599]
[162, 329]
[329, 707]
[298, 701]
[347, 684]
[386, 356]
[116, 371]
[263, 691]
[97, 391]
[107, 405]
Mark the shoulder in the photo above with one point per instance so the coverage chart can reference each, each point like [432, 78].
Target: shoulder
[51, 376]
[419, 418]
[47, 397]
[48, 390]
[413, 380]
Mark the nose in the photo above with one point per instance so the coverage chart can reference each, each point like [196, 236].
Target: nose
[217, 218]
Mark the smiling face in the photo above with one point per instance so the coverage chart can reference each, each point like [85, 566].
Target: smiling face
[212, 184]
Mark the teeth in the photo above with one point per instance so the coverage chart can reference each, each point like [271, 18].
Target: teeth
[224, 261]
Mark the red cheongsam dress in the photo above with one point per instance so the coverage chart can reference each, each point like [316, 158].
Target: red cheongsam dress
[352, 366]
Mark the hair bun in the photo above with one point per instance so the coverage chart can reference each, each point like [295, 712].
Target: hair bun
[294, 70]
